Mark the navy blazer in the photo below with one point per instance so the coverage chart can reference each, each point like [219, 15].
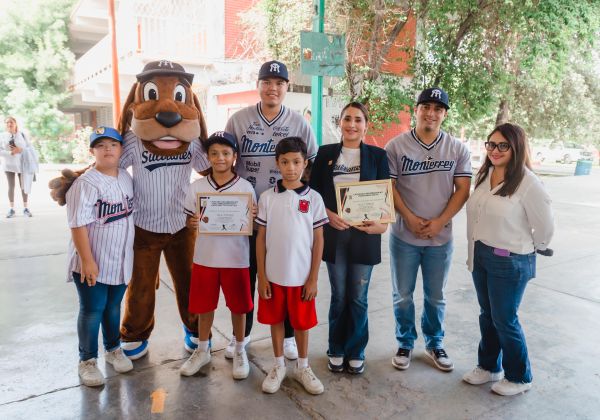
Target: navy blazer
[364, 248]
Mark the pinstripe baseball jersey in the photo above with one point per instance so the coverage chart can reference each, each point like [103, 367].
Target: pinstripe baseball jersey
[160, 183]
[257, 139]
[219, 251]
[290, 217]
[425, 178]
[104, 204]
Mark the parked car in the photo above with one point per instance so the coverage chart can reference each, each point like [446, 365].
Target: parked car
[564, 152]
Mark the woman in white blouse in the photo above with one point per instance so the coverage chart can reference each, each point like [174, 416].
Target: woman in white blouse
[508, 218]
[12, 145]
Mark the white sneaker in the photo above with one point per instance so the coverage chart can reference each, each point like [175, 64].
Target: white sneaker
[272, 382]
[309, 381]
[192, 365]
[89, 373]
[230, 349]
[290, 351]
[479, 376]
[241, 367]
[118, 360]
[508, 388]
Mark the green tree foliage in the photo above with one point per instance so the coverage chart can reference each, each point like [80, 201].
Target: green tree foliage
[529, 61]
[35, 63]
[494, 56]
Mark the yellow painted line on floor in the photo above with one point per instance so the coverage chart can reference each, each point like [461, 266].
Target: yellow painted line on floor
[158, 400]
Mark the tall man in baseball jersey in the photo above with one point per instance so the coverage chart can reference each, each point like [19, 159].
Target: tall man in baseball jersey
[258, 129]
[431, 174]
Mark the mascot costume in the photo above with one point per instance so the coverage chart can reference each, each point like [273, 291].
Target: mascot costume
[162, 124]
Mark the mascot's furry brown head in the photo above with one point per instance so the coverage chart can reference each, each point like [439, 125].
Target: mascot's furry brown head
[162, 110]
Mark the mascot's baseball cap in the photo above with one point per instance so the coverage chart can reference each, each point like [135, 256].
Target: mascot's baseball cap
[434, 94]
[163, 68]
[273, 69]
[105, 133]
[221, 137]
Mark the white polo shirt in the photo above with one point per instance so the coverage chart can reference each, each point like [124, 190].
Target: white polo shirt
[219, 251]
[290, 217]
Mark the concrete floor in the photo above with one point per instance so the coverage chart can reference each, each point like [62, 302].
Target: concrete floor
[560, 314]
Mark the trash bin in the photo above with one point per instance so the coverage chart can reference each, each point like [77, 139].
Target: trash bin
[583, 167]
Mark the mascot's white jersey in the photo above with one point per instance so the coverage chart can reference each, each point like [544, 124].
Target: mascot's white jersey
[160, 183]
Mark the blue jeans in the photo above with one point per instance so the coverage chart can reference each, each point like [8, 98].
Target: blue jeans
[405, 260]
[98, 305]
[348, 317]
[500, 284]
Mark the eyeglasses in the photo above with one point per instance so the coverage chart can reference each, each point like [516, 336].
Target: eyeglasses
[490, 146]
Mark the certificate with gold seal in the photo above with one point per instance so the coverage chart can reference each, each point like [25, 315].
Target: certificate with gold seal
[225, 213]
[366, 200]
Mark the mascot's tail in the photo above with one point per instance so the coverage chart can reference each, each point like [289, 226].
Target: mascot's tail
[60, 185]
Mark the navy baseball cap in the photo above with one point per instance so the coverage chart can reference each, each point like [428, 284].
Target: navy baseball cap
[163, 68]
[434, 94]
[221, 137]
[273, 69]
[105, 133]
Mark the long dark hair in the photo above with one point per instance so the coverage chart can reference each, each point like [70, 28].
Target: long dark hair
[515, 169]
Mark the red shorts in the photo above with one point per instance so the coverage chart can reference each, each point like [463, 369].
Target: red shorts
[287, 301]
[204, 289]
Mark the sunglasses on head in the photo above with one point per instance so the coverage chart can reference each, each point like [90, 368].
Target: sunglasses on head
[490, 145]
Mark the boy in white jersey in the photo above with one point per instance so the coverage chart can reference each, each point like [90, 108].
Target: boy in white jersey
[258, 129]
[431, 175]
[219, 261]
[289, 247]
[99, 208]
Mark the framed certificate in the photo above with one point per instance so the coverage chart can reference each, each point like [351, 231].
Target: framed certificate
[366, 200]
[226, 213]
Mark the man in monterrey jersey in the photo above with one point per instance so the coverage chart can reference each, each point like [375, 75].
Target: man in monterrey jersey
[258, 129]
[431, 174]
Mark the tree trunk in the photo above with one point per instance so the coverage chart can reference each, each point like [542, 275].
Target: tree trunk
[503, 112]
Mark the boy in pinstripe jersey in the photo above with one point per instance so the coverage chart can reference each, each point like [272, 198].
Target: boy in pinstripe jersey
[99, 207]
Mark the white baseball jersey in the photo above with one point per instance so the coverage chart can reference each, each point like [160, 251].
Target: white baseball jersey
[290, 217]
[219, 251]
[257, 139]
[424, 177]
[104, 204]
[160, 183]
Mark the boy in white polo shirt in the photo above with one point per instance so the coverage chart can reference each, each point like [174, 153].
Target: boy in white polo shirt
[289, 247]
[220, 261]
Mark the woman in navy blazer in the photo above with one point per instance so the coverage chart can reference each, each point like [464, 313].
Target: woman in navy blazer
[350, 252]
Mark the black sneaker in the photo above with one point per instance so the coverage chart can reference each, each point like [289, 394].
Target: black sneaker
[11, 213]
[441, 359]
[402, 358]
[334, 367]
[355, 370]
[27, 213]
